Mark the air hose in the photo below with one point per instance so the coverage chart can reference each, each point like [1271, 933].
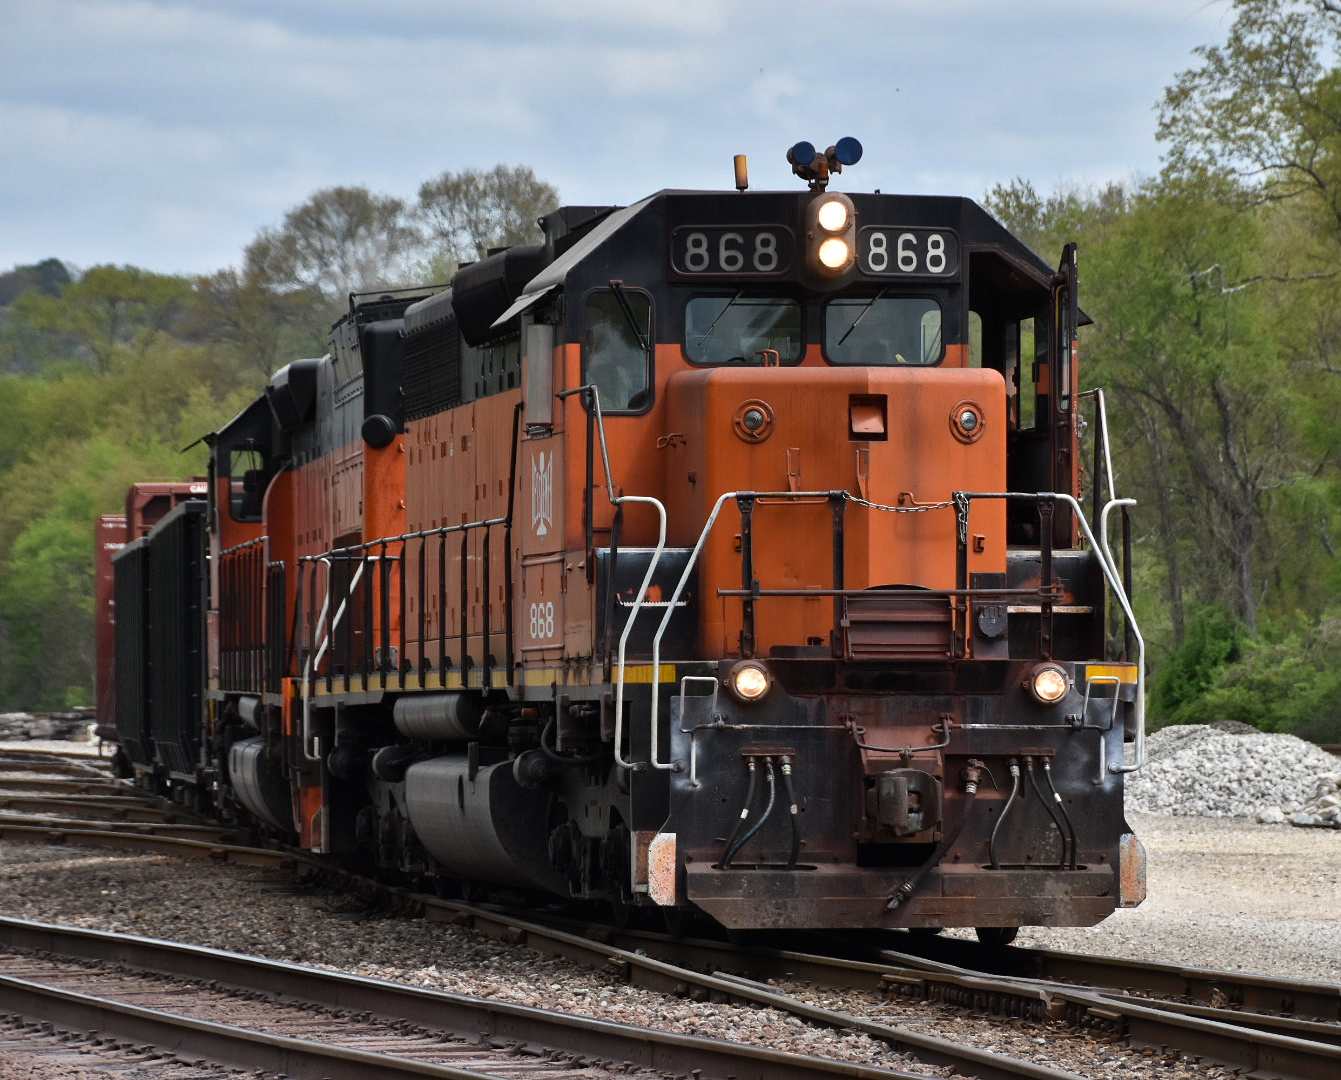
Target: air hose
[1061, 808]
[744, 813]
[1051, 806]
[792, 808]
[768, 809]
[1010, 802]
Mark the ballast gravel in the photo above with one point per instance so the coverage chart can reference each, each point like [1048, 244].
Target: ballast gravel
[1210, 906]
[1232, 770]
[1225, 892]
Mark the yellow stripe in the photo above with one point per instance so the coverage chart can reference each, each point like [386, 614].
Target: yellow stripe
[634, 674]
[1124, 672]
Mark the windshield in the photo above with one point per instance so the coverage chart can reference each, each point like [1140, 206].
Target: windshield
[737, 329]
[882, 331]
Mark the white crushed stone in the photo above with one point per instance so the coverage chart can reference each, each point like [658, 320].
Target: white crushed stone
[1233, 771]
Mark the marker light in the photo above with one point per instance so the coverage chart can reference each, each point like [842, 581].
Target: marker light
[967, 422]
[1048, 683]
[749, 681]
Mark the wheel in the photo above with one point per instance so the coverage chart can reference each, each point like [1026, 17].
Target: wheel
[996, 936]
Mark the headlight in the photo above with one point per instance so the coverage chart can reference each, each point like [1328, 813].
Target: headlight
[1048, 683]
[834, 253]
[748, 680]
[832, 216]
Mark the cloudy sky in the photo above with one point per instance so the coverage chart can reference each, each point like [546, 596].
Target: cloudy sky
[165, 133]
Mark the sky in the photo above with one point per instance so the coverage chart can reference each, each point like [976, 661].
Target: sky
[165, 134]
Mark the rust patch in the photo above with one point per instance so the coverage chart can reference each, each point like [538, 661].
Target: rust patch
[661, 869]
[1131, 871]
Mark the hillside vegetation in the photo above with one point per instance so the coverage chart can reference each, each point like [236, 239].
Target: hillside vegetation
[1217, 334]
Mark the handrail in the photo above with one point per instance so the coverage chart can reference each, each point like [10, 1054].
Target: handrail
[679, 590]
[961, 501]
[1101, 415]
[593, 391]
[314, 660]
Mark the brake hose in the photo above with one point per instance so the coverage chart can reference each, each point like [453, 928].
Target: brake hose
[1061, 808]
[771, 780]
[1010, 801]
[1050, 805]
[744, 813]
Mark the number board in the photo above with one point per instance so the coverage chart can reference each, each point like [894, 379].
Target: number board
[732, 249]
[894, 252]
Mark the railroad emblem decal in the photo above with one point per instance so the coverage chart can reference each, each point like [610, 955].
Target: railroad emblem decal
[542, 493]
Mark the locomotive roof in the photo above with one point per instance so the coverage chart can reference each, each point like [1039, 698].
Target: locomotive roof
[977, 229]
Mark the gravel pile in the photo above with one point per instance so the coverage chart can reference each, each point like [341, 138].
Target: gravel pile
[1232, 770]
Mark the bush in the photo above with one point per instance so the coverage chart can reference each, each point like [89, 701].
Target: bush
[1214, 640]
[1292, 685]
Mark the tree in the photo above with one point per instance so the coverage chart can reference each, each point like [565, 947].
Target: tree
[47, 277]
[1263, 105]
[467, 213]
[109, 308]
[259, 329]
[341, 240]
[1217, 418]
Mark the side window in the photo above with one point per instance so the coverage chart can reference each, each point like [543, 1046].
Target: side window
[616, 349]
[246, 484]
[1028, 373]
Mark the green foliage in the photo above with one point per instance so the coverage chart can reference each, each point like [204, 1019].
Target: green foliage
[1214, 639]
[106, 377]
[109, 311]
[48, 277]
[1263, 105]
[1292, 685]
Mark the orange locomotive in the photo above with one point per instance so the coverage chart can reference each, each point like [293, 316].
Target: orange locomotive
[724, 554]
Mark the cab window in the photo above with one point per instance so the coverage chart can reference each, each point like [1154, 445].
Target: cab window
[616, 353]
[742, 330]
[247, 480]
[883, 331]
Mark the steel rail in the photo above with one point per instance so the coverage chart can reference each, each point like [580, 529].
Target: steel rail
[639, 969]
[54, 786]
[56, 764]
[1259, 993]
[1025, 976]
[175, 829]
[432, 1009]
[163, 845]
[1280, 1046]
[644, 970]
[113, 809]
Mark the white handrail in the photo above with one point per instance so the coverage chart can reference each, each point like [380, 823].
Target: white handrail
[1101, 549]
[314, 659]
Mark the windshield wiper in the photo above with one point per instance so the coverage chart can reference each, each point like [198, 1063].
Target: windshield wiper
[708, 333]
[860, 315]
[617, 287]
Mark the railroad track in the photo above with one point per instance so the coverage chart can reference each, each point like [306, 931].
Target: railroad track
[1268, 1027]
[284, 1018]
[1259, 1025]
